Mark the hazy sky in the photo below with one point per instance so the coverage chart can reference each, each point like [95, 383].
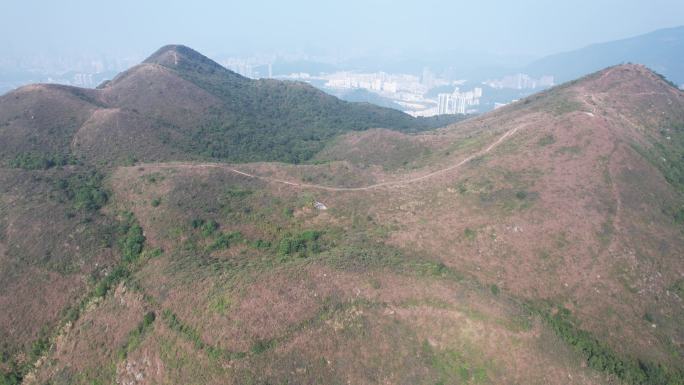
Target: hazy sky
[342, 28]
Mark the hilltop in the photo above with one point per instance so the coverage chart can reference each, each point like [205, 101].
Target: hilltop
[538, 243]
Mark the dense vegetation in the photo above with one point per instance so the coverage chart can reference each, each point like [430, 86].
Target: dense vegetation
[132, 239]
[38, 161]
[270, 120]
[224, 241]
[601, 357]
[672, 155]
[84, 190]
[288, 122]
[302, 244]
[668, 156]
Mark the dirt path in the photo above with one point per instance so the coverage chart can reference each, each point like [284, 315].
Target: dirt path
[402, 182]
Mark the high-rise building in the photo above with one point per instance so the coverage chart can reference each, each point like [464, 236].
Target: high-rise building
[457, 102]
[443, 101]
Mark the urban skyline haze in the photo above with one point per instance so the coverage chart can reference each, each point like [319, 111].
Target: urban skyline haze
[341, 29]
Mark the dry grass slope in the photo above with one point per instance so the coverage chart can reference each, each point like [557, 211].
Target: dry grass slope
[552, 257]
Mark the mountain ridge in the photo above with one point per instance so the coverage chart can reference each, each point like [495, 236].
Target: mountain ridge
[659, 50]
[188, 103]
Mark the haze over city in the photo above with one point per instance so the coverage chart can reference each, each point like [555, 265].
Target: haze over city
[397, 51]
[338, 28]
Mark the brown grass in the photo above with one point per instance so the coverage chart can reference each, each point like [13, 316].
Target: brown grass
[415, 283]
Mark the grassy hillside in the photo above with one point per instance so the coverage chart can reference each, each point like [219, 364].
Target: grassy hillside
[273, 120]
[537, 244]
[54, 242]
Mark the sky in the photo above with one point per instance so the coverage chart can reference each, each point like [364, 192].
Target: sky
[348, 28]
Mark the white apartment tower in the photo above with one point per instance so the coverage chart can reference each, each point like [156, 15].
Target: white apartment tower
[457, 102]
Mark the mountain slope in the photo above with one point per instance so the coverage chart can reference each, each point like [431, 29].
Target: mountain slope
[180, 102]
[539, 243]
[576, 209]
[547, 229]
[660, 50]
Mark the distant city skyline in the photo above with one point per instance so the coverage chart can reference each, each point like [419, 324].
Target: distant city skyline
[399, 53]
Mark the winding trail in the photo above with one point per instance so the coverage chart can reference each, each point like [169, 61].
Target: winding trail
[489, 148]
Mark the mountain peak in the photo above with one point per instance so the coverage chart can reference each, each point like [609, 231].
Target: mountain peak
[176, 56]
[627, 79]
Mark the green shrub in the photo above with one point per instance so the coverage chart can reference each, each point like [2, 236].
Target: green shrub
[224, 241]
[261, 244]
[238, 193]
[678, 216]
[154, 253]
[84, 190]
[209, 227]
[494, 289]
[302, 244]
[12, 378]
[678, 288]
[38, 347]
[37, 161]
[469, 233]
[461, 187]
[148, 318]
[155, 202]
[546, 140]
[132, 243]
[110, 280]
[436, 269]
[311, 235]
[129, 160]
[649, 317]
[261, 346]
